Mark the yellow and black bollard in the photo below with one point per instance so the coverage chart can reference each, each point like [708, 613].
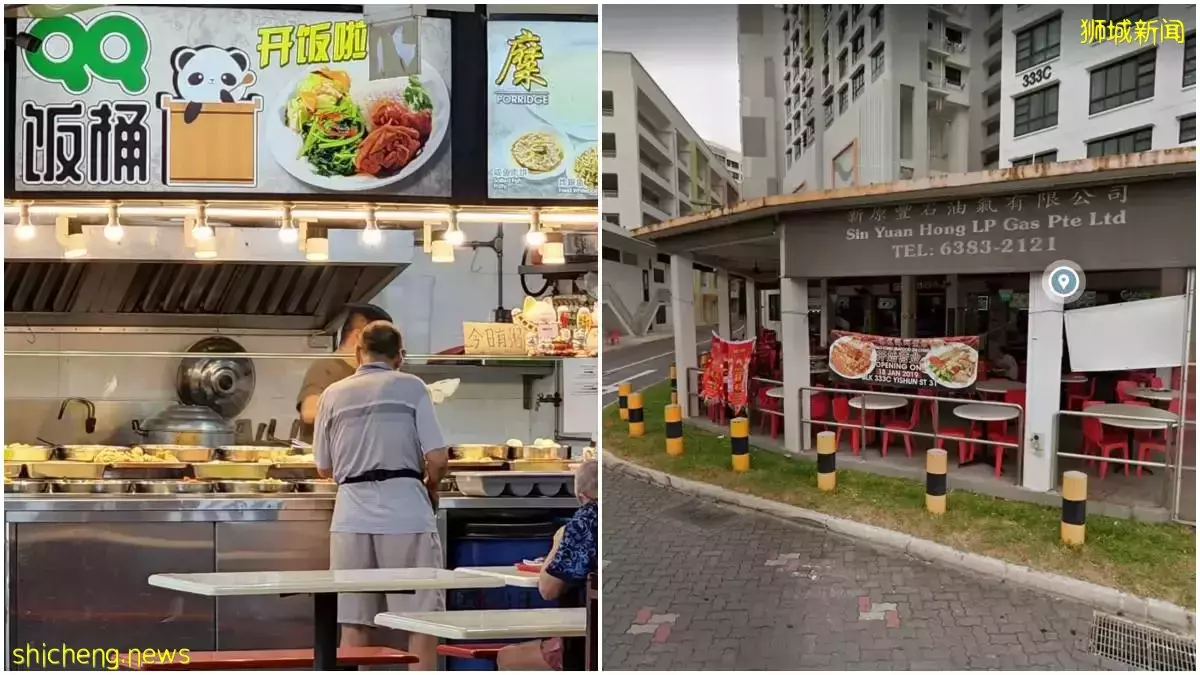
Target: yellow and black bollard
[826, 461]
[637, 417]
[623, 391]
[739, 442]
[674, 419]
[935, 481]
[1074, 507]
[674, 386]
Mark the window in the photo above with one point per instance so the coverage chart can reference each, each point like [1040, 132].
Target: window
[877, 62]
[855, 12]
[609, 184]
[1041, 158]
[991, 158]
[843, 25]
[614, 218]
[629, 258]
[1022, 161]
[828, 106]
[1137, 140]
[773, 307]
[1189, 60]
[1187, 129]
[663, 258]
[993, 99]
[876, 20]
[843, 99]
[994, 67]
[660, 315]
[1037, 110]
[842, 65]
[1123, 82]
[608, 145]
[991, 128]
[856, 44]
[953, 76]
[1118, 13]
[825, 47]
[858, 81]
[1039, 43]
[660, 277]
[954, 35]
[994, 37]
[606, 102]
[610, 253]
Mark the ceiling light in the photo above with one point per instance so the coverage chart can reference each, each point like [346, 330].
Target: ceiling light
[552, 253]
[288, 233]
[316, 248]
[206, 248]
[493, 217]
[113, 231]
[536, 236]
[25, 229]
[441, 251]
[454, 234]
[75, 243]
[371, 234]
[201, 229]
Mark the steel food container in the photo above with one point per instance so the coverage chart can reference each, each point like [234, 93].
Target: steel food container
[18, 452]
[90, 486]
[254, 486]
[87, 453]
[479, 452]
[11, 470]
[266, 454]
[183, 453]
[318, 486]
[171, 487]
[539, 465]
[538, 452]
[193, 425]
[66, 469]
[28, 487]
[230, 470]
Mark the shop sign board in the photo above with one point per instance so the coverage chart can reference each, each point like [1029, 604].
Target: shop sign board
[927, 363]
[146, 99]
[542, 101]
[1148, 224]
[494, 339]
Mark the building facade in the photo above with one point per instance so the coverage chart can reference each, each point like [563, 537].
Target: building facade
[1067, 96]
[731, 158]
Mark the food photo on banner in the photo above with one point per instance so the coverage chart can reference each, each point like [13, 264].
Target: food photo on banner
[943, 362]
[279, 101]
[543, 96]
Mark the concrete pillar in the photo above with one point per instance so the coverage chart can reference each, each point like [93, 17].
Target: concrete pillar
[751, 291]
[683, 320]
[724, 323]
[1174, 282]
[793, 338]
[826, 313]
[953, 312]
[1043, 386]
[908, 306]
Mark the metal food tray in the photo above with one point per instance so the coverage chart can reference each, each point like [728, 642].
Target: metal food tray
[66, 469]
[183, 453]
[253, 487]
[87, 453]
[90, 487]
[230, 470]
[12, 470]
[316, 486]
[171, 487]
[253, 453]
[27, 453]
[28, 487]
[517, 484]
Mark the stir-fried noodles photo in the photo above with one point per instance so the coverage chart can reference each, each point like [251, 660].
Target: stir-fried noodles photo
[852, 358]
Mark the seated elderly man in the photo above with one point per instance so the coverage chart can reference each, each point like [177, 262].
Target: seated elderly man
[571, 559]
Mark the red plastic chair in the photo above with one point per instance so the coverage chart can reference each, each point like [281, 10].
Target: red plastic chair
[1104, 440]
[1122, 385]
[1078, 393]
[1156, 441]
[818, 409]
[1016, 396]
[842, 415]
[966, 449]
[910, 425]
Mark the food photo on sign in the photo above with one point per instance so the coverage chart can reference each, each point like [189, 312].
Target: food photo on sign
[542, 109]
[943, 362]
[266, 100]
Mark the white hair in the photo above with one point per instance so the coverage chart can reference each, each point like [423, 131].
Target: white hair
[587, 480]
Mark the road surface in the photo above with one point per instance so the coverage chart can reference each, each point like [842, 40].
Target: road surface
[690, 585]
[643, 364]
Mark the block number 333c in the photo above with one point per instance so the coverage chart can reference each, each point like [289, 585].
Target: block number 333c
[1036, 76]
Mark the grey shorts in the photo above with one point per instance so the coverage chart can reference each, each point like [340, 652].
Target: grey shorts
[349, 551]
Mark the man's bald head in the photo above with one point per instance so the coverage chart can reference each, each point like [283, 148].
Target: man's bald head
[381, 342]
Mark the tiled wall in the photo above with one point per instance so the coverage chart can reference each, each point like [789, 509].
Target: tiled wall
[127, 388]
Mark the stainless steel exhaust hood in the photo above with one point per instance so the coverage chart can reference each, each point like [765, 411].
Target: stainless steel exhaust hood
[152, 279]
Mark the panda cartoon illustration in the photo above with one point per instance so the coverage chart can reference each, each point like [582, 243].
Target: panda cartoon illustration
[209, 74]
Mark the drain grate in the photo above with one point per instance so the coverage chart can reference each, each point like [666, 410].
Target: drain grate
[1140, 646]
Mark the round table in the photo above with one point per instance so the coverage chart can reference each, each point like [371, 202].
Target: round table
[1134, 426]
[877, 402]
[983, 412]
[1072, 378]
[1163, 396]
[998, 386]
[776, 392]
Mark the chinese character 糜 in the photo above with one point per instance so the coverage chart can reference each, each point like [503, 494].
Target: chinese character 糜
[524, 61]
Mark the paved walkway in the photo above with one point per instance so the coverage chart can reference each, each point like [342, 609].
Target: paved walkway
[690, 585]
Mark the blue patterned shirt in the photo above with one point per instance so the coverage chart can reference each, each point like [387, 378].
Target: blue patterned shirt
[577, 551]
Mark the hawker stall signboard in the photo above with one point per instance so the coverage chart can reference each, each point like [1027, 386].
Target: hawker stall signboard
[945, 362]
[193, 99]
[542, 140]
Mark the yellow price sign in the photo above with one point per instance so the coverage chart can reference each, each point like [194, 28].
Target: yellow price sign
[493, 339]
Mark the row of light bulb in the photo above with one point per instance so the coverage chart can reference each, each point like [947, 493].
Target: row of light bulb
[316, 248]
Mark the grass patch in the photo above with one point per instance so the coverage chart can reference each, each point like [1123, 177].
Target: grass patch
[1147, 559]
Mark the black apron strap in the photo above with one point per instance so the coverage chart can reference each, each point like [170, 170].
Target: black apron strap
[380, 475]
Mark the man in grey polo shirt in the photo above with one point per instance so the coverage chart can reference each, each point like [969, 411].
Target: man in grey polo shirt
[376, 434]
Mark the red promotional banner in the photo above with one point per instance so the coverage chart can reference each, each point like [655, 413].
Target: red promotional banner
[738, 355]
[944, 362]
[714, 372]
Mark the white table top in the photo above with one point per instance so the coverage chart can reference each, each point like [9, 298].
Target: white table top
[1133, 411]
[321, 581]
[982, 412]
[1072, 378]
[998, 386]
[877, 402]
[509, 573]
[776, 392]
[491, 624]
[1151, 395]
